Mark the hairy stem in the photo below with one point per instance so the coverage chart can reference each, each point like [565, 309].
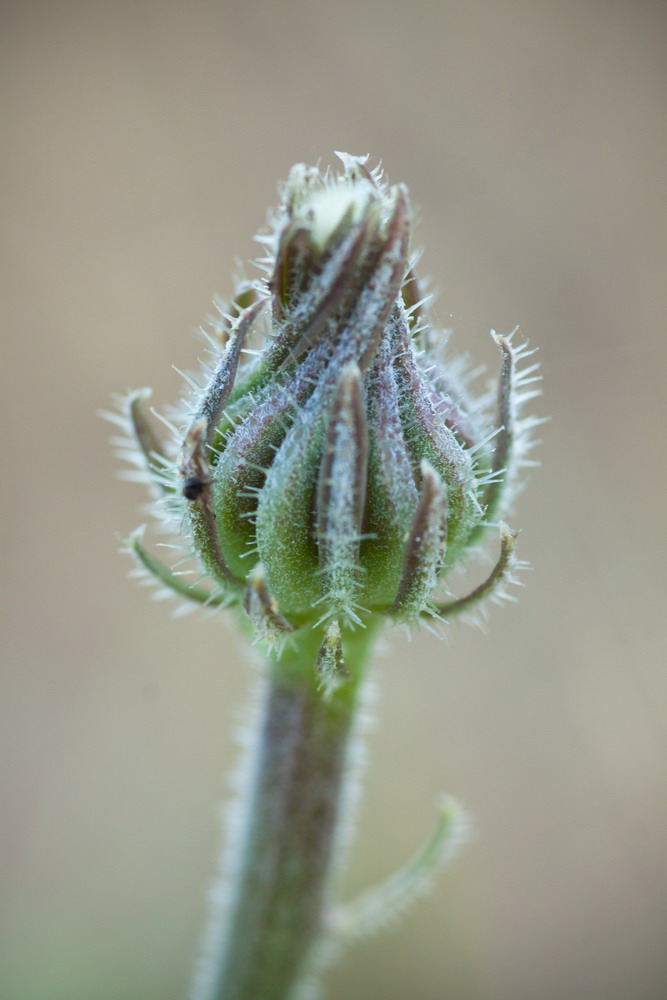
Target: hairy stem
[292, 815]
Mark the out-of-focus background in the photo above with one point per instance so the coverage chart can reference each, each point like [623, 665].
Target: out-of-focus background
[143, 142]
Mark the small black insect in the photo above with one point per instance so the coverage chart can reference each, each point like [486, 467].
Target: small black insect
[193, 487]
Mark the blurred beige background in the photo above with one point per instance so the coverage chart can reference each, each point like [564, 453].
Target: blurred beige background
[143, 142]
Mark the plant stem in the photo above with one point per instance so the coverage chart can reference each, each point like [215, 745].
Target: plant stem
[292, 814]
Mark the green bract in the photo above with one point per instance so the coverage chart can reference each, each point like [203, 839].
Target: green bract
[343, 469]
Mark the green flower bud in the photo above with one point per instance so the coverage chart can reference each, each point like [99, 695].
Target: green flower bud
[345, 468]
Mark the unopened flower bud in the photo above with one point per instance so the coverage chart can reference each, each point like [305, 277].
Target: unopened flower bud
[342, 471]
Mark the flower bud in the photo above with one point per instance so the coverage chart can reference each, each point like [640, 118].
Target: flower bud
[342, 471]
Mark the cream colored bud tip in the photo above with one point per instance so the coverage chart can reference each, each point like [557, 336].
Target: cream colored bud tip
[327, 208]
